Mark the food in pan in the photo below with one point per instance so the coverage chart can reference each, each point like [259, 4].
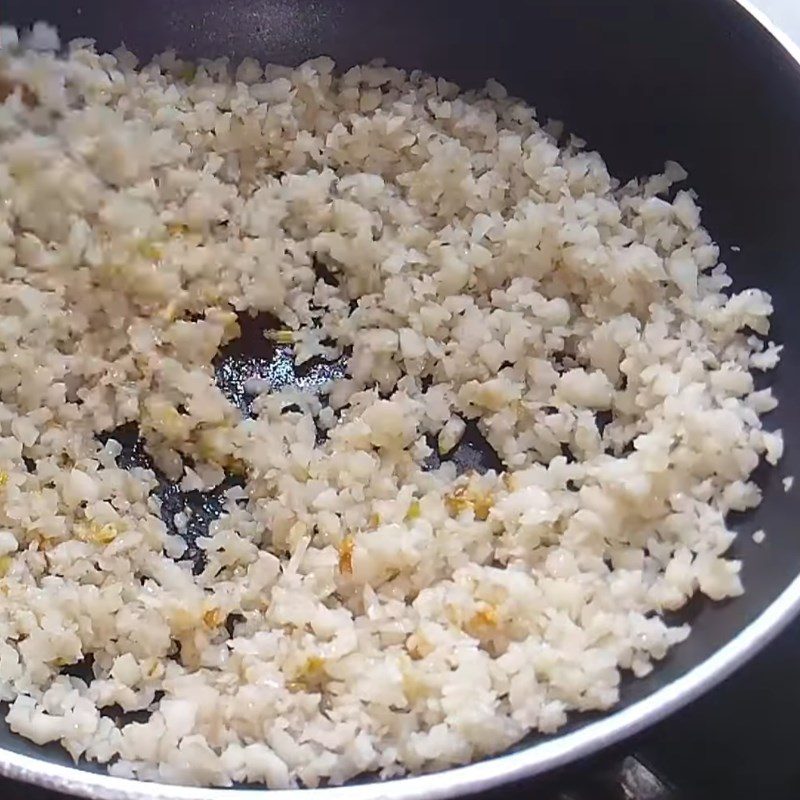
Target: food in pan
[362, 603]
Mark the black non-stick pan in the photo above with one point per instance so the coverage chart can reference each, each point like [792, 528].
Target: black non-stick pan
[703, 82]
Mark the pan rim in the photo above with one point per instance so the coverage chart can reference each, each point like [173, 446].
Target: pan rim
[458, 781]
[482, 775]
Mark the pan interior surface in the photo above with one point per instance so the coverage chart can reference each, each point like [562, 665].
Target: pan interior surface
[697, 82]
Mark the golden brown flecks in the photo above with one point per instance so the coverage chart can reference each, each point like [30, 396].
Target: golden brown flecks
[466, 498]
[310, 676]
[483, 622]
[6, 562]
[43, 543]
[8, 86]
[282, 336]
[97, 533]
[213, 617]
[346, 555]
[235, 466]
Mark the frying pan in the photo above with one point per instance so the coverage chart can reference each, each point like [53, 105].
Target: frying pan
[705, 82]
